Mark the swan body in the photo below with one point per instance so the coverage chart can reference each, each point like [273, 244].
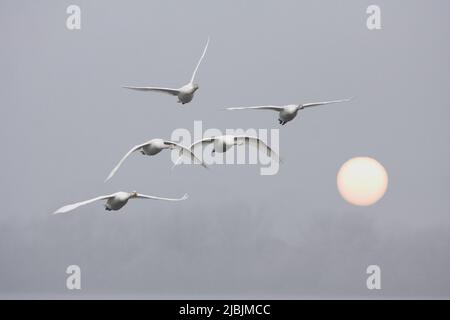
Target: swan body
[153, 147]
[185, 94]
[118, 200]
[224, 143]
[289, 112]
[115, 201]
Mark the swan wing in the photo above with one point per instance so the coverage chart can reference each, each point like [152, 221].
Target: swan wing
[202, 142]
[113, 171]
[73, 206]
[314, 104]
[274, 108]
[259, 144]
[143, 196]
[171, 91]
[199, 61]
[195, 144]
[183, 151]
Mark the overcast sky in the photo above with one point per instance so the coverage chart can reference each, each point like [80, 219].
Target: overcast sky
[66, 121]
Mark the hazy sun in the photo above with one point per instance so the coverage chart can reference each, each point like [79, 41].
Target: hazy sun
[362, 181]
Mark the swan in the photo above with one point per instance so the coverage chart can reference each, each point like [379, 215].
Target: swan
[153, 147]
[115, 201]
[186, 93]
[225, 142]
[289, 112]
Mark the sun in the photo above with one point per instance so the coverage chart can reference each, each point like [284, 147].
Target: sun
[362, 181]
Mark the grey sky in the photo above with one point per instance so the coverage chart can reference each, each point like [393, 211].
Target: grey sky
[66, 121]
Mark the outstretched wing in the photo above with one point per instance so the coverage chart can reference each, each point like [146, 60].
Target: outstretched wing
[183, 151]
[199, 61]
[73, 206]
[195, 144]
[202, 143]
[274, 108]
[171, 91]
[314, 104]
[143, 196]
[259, 144]
[123, 159]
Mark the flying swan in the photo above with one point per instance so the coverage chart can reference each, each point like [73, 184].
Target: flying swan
[289, 112]
[224, 143]
[153, 147]
[186, 93]
[115, 201]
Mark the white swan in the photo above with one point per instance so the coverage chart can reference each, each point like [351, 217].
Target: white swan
[289, 112]
[115, 201]
[153, 147]
[225, 142]
[186, 93]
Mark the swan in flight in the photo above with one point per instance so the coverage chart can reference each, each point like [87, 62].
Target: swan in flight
[115, 201]
[186, 93]
[289, 112]
[224, 143]
[153, 147]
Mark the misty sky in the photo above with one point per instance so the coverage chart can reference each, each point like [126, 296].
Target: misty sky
[66, 121]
